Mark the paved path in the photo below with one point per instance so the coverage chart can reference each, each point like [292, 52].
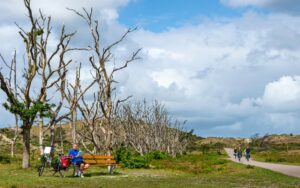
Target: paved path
[284, 169]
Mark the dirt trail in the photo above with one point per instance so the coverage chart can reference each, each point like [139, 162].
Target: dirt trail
[284, 169]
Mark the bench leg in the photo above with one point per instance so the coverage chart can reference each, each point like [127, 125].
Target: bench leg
[111, 169]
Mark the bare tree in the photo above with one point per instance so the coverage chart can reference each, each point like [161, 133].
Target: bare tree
[149, 128]
[41, 73]
[74, 93]
[12, 81]
[99, 115]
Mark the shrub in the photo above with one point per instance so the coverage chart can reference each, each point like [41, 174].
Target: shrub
[269, 160]
[5, 159]
[157, 155]
[130, 159]
[281, 160]
[250, 166]
[219, 162]
[205, 148]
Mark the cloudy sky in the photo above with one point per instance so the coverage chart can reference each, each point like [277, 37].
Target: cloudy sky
[228, 67]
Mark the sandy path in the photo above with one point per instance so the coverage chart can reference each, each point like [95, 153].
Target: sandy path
[284, 169]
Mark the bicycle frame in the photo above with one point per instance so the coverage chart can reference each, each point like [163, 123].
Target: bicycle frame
[56, 165]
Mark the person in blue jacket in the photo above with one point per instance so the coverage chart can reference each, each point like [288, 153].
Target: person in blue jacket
[77, 160]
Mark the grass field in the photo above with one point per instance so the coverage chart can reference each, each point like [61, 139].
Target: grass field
[193, 170]
[291, 157]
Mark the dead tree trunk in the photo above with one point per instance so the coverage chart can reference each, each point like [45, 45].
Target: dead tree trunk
[61, 138]
[41, 136]
[104, 80]
[13, 70]
[73, 122]
[26, 146]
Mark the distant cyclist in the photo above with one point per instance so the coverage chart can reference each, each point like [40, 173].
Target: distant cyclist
[239, 153]
[235, 152]
[247, 153]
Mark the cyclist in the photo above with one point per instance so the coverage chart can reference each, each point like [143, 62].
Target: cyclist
[235, 152]
[247, 153]
[239, 153]
[77, 160]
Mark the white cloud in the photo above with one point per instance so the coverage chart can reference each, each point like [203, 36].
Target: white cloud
[219, 74]
[234, 127]
[223, 67]
[282, 95]
[238, 3]
[57, 8]
[14, 11]
[290, 6]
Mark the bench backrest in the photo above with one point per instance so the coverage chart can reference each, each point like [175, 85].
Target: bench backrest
[99, 159]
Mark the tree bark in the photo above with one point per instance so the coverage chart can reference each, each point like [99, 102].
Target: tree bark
[61, 138]
[26, 147]
[52, 136]
[14, 64]
[12, 149]
[14, 140]
[74, 120]
[41, 135]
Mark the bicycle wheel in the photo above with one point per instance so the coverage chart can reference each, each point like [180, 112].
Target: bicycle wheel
[41, 168]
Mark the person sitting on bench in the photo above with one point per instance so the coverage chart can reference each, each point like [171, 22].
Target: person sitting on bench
[77, 160]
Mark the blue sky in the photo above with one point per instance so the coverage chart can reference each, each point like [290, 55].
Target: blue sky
[228, 67]
[160, 15]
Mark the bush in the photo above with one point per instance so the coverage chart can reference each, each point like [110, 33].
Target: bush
[281, 160]
[158, 155]
[129, 159]
[5, 159]
[269, 160]
[250, 166]
[205, 148]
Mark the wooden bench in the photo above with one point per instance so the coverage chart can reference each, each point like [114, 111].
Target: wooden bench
[100, 160]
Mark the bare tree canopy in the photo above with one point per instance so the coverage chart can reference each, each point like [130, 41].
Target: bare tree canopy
[107, 120]
[44, 69]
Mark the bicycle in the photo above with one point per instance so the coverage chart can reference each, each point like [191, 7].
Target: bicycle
[58, 164]
[247, 156]
[46, 159]
[239, 155]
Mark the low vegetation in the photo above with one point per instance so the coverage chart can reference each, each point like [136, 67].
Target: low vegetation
[283, 149]
[276, 156]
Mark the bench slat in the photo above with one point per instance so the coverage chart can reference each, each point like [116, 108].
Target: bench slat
[100, 161]
[97, 164]
[96, 157]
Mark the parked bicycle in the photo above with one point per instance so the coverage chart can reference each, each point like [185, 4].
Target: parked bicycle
[57, 164]
[46, 160]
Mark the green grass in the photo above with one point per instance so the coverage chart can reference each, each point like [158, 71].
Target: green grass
[194, 170]
[274, 156]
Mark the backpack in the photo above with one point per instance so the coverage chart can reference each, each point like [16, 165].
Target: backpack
[247, 150]
[64, 162]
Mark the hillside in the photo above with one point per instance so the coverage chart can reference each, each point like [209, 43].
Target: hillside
[282, 139]
[6, 134]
